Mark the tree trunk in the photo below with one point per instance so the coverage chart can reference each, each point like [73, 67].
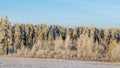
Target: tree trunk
[7, 50]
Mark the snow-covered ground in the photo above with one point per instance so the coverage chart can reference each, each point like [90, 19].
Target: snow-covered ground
[12, 62]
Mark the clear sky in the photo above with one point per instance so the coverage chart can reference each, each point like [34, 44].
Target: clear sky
[69, 13]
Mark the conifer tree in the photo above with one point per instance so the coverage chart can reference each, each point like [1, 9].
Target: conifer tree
[17, 37]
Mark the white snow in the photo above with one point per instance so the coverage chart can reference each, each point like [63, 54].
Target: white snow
[13, 62]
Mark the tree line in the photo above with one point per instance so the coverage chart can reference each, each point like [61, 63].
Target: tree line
[13, 37]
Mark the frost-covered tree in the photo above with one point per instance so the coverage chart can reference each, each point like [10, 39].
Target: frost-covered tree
[17, 37]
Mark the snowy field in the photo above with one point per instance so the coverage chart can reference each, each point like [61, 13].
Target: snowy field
[12, 62]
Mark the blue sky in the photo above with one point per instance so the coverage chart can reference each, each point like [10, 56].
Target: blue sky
[70, 13]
